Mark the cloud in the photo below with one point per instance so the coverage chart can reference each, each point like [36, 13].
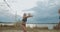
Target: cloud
[15, 8]
[43, 13]
[21, 5]
[42, 10]
[53, 3]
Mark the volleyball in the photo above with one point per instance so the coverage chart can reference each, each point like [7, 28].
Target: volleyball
[29, 14]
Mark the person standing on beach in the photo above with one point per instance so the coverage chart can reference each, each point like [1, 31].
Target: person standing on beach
[24, 20]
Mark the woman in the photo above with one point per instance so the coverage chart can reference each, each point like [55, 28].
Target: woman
[24, 20]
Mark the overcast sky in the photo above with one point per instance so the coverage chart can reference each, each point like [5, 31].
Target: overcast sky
[43, 11]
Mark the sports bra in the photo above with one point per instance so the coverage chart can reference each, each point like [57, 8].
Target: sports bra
[24, 19]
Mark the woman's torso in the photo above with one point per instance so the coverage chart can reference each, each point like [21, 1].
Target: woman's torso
[24, 19]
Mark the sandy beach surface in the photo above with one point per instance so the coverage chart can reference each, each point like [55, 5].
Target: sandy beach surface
[18, 29]
[30, 31]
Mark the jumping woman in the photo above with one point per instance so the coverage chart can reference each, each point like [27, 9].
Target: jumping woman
[24, 20]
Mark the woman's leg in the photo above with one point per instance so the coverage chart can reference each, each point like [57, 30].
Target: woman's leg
[24, 27]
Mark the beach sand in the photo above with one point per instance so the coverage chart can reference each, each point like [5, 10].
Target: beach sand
[30, 31]
[17, 29]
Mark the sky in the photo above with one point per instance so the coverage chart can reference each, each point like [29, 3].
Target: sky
[43, 11]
